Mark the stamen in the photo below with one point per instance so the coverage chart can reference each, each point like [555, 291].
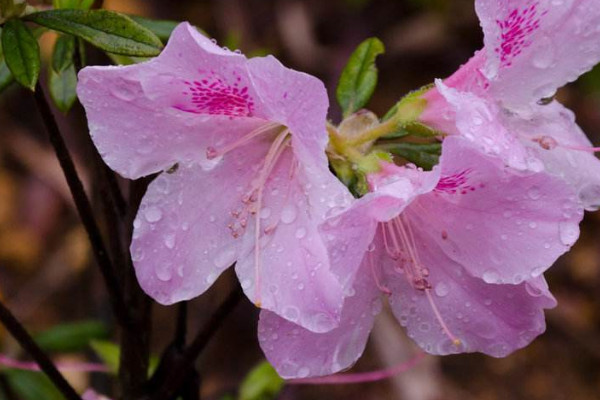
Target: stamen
[403, 240]
[273, 154]
[438, 316]
[378, 283]
[212, 153]
[549, 143]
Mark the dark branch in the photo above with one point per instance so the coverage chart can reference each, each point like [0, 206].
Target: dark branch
[83, 206]
[176, 376]
[181, 325]
[25, 340]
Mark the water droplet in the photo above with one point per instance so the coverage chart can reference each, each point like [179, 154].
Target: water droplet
[441, 289]
[534, 193]
[170, 240]
[300, 233]
[301, 286]
[544, 56]
[211, 219]
[137, 254]
[180, 271]
[123, 91]
[211, 278]
[303, 372]
[424, 327]
[246, 283]
[163, 272]
[532, 225]
[291, 313]
[152, 214]
[288, 214]
[225, 258]
[569, 232]
[491, 276]
[265, 213]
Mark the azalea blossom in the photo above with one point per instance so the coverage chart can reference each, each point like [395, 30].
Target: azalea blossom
[459, 250]
[500, 98]
[244, 178]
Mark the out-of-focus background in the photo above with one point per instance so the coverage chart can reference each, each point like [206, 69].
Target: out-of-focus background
[47, 276]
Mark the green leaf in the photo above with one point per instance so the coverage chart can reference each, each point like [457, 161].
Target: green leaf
[62, 56]
[107, 30]
[77, 4]
[30, 385]
[262, 383]
[359, 77]
[125, 60]
[71, 337]
[21, 52]
[161, 28]
[108, 352]
[424, 155]
[6, 77]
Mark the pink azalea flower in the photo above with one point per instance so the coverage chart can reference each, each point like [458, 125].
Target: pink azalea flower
[460, 251]
[246, 178]
[531, 48]
[92, 395]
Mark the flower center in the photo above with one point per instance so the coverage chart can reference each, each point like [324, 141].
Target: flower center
[400, 245]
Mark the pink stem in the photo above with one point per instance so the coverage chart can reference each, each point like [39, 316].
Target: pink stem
[361, 377]
[32, 366]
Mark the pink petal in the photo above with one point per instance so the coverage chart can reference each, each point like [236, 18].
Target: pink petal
[181, 241]
[141, 117]
[478, 120]
[535, 47]
[579, 168]
[295, 279]
[500, 225]
[299, 353]
[492, 319]
[288, 97]
[349, 233]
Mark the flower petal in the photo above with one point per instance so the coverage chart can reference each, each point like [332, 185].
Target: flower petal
[534, 47]
[299, 353]
[349, 233]
[181, 240]
[578, 167]
[500, 225]
[293, 266]
[492, 319]
[146, 117]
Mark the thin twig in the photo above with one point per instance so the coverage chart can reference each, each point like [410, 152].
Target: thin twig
[177, 375]
[26, 341]
[181, 325]
[83, 206]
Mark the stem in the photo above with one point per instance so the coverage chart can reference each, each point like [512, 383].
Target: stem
[28, 344]
[83, 206]
[181, 325]
[177, 375]
[380, 130]
[135, 337]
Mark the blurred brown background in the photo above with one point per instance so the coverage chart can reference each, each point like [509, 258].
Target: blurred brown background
[46, 276]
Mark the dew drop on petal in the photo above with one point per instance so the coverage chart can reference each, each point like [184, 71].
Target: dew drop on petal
[288, 214]
[225, 258]
[491, 276]
[153, 214]
[291, 313]
[569, 232]
[441, 289]
[303, 372]
[170, 240]
[300, 233]
[163, 272]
